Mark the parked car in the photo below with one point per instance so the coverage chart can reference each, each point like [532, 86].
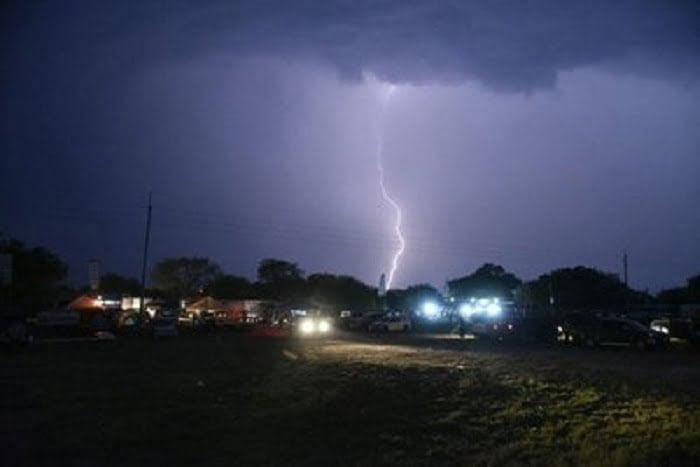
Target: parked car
[235, 317]
[316, 325]
[360, 321]
[390, 323]
[678, 328]
[611, 331]
[498, 330]
[576, 328]
[131, 323]
[59, 323]
[187, 319]
[164, 324]
[197, 321]
[14, 328]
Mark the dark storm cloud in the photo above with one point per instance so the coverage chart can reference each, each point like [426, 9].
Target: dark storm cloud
[505, 44]
[509, 44]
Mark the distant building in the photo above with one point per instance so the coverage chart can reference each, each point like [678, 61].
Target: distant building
[132, 303]
[85, 303]
[94, 308]
[241, 311]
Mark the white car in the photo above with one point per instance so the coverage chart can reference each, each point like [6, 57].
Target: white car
[390, 323]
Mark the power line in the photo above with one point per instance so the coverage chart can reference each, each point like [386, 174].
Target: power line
[218, 219]
[330, 235]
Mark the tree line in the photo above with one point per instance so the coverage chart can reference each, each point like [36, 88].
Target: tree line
[39, 279]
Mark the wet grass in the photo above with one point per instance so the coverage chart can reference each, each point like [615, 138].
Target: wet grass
[506, 410]
[236, 400]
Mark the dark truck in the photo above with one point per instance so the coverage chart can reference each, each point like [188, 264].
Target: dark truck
[679, 328]
[594, 331]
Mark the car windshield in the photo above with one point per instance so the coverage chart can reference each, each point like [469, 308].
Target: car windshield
[635, 325]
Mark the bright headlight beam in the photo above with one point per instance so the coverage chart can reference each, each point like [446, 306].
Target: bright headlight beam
[307, 326]
[466, 310]
[493, 309]
[431, 309]
[385, 193]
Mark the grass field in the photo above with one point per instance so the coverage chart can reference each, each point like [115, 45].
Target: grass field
[230, 399]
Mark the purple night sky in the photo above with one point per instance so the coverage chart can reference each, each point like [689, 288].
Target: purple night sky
[532, 134]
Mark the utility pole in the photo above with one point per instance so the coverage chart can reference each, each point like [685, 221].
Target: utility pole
[145, 256]
[624, 269]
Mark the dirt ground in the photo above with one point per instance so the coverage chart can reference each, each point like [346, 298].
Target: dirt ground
[232, 399]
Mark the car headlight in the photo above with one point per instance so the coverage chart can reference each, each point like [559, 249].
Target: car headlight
[466, 310]
[660, 328]
[307, 326]
[431, 310]
[494, 309]
[324, 326]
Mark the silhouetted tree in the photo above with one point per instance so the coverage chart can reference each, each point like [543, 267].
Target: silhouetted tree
[272, 270]
[184, 277]
[412, 298]
[694, 289]
[230, 287]
[681, 295]
[36, 274]
[340, 292]
[488, 280]
[116, 284]
[579, 287]
[673, 296]
[281, 280]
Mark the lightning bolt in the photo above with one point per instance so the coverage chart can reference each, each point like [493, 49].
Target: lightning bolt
[385, 193]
